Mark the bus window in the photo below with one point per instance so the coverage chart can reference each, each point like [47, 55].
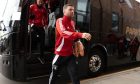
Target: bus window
[115, 22]
[82, 15]
[8, 18]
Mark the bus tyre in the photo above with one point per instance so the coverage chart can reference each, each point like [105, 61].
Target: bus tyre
[96, 62]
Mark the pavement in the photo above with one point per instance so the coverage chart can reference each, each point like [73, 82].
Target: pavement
[131, 76]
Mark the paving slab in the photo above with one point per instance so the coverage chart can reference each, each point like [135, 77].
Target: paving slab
[131, 76]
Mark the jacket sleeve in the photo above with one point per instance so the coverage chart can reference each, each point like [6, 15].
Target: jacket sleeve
[65, 33]
[31, 15]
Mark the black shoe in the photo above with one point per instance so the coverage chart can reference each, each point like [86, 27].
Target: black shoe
[42, 61]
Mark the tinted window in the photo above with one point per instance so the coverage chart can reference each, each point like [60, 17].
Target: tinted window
[115, 22]
[82, 14]
[9, 14]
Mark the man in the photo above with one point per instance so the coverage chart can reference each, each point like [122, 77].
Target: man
[38, 21]
[65, 37]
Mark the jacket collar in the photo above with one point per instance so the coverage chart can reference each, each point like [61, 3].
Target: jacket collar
[66, 19]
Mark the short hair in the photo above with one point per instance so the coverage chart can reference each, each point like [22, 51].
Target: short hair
[42, 0]
[66, 5]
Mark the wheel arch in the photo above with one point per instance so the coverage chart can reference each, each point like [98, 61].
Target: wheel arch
[102, 48]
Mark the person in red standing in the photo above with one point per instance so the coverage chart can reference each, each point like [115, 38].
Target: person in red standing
[38, 20]
[65, 37]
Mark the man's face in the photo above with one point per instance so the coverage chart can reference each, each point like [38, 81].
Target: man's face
[69, 11]
[39, 2]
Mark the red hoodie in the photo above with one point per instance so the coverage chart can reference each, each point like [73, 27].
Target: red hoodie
[65, 36]
[40, 15]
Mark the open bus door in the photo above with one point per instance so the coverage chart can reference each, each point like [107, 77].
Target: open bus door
[18, 59]
[33, 66]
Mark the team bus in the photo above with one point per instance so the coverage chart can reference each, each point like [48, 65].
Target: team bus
[113, 24]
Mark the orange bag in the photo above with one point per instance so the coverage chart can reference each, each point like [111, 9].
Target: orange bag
[78, 49]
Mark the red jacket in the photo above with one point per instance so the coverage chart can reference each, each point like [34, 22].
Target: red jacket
[39, 15]
[65, 36]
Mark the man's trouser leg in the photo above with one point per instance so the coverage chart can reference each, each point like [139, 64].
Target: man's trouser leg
[55, 69]
[42, 41]
[34, 38]
[72, 70]
[70, 63]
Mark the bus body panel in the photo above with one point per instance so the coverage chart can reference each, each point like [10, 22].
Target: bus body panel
[114, 27]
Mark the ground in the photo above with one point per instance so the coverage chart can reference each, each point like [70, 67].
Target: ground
[129, 76]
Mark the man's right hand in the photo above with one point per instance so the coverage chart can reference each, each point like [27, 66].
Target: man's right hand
[86, 36]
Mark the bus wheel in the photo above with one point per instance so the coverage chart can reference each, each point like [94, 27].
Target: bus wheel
[96, 62]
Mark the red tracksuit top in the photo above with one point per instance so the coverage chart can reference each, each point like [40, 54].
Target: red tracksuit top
[40, 15]
[65, 36]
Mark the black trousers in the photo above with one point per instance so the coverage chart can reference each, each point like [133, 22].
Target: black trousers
[70, 63]
[38, 36]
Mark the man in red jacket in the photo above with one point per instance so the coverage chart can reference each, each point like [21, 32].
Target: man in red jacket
[65, 37]
[38, 20]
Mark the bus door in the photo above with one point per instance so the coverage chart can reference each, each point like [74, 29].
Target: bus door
[115, 41]
[34, 67]
[82, 17]
[82, 21]
[113, 34]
